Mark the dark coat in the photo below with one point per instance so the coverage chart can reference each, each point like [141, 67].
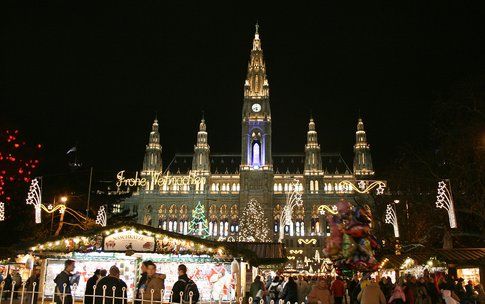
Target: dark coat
[178, 287]
[290, 292]
[62, 279]
[110, 282]
[89, 292]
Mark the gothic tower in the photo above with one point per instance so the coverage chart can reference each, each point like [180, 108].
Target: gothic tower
[256, 170]
[152, 162]
[201, 162]
[256, 113]
[362, 158]
[313, 159]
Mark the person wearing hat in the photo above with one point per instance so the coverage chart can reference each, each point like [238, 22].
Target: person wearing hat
[105, 286]
[89, 292]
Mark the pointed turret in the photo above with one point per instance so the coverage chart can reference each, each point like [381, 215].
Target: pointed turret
[256, 84]
[362, 157]
[200, 161]
[313, 160]
[153, 151]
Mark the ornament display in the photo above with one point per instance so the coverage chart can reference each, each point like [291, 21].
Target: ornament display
[351, 244]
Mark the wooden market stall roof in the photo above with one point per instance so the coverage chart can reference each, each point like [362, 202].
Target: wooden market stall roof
[458, 256]
[255, 253]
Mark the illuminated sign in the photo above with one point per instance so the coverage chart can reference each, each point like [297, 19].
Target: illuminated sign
[157, 178]
[129, 240]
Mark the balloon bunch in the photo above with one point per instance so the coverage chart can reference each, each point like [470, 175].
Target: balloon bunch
[351, 244]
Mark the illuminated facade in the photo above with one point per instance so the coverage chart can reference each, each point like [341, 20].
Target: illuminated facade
[256, 173]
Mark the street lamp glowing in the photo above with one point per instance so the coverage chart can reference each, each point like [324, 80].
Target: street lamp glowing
[63, 199]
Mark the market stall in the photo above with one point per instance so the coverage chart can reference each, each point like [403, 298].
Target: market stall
[217, 268]
[466, 263]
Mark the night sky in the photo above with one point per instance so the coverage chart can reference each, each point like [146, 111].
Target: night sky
[95, 75]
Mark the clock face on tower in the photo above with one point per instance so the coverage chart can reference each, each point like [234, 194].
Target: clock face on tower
[256, 107]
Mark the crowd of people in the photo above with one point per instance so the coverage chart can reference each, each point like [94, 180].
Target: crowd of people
[150, 287]
[426, 289]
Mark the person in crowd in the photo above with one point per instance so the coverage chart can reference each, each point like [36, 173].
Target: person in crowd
[274, 289]
[386, 287]
[18, 283]
[320, 294]
[256, 290]
[284, 281]
[302, 289]
[7, 287]
[410, 289]
[187, 287]
[153, 282]
[143, 278]
[111, 289]
[470, 294]
[32, 285]
[63, 284]
[431, 289]
[398, 296]
[89, 291]
[447, 290]
[338, 290]
[351, 286]
[371, 294]
[480, 293]
[1, 277]
[422, 296]
[459, 288]
[290, 291]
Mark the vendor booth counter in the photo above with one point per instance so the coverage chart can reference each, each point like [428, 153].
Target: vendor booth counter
[218, 268]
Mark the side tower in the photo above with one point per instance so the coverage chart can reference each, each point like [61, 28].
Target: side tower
[201, 162]
[362, 158]
[256, 170]
[152, 163]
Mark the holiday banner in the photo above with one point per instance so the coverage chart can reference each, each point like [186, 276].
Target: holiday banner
[129, 240]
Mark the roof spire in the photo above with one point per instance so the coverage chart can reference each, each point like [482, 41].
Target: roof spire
[257, 29]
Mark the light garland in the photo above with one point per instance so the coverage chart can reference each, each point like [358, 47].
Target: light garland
[444, 200]
[363, 188]
[293, 199]
[34, 197]
[254, 224]
[101, 219]
[325, 208]
[2, 211]
[391, 218]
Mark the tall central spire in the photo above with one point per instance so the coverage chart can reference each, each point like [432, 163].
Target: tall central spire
[256, 84]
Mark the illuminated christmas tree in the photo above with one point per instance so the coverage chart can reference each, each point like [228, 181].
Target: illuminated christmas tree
[254, 224]
[198, 225]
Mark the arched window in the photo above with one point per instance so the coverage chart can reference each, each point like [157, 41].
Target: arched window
[316, 186]
[311, 186]
[162, 217]
[147, 220]
[256, 155]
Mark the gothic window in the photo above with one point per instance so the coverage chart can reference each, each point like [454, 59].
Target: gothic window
[256, 155]
[212, 212]
[238, 187]
[275, 187]
[162, 217]
[280, 187]
[147, 220]
[224, 212]
[312, 188]
[316, 186]
[213, 228]
[234, 212]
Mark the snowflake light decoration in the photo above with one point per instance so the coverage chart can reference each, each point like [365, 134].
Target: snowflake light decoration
[444, 200]
[101, 219]
[391, 218]
[365, 187]
[361, 185]
[34, 197]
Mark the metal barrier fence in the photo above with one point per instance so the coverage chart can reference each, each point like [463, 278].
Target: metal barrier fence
[24, 294]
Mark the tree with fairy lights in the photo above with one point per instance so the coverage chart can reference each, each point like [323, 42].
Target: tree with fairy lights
[254, 224]
[17, 165]
[198, 225]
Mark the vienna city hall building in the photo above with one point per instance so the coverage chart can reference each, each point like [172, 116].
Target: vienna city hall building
[229, 181]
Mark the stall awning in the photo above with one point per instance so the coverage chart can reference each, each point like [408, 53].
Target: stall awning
[134, 238]
[458, 256]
